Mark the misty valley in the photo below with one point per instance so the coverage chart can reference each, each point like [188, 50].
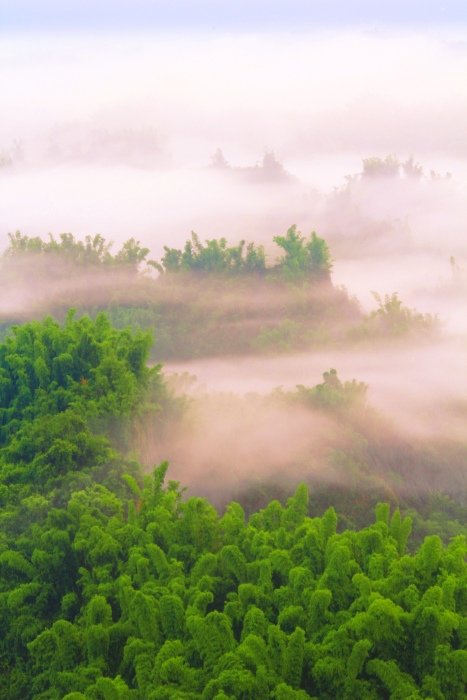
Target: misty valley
[223, 476]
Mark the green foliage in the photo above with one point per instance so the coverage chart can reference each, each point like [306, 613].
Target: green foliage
[392, 319]
[210, 298]
[93, 251]
[320, 626]
[62, 389]
[214, 257]
[113, 584]
[303, 258]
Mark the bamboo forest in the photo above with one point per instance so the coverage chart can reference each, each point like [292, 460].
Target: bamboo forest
[233, 350]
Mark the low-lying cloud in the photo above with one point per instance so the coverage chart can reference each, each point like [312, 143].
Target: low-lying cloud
[114, 134]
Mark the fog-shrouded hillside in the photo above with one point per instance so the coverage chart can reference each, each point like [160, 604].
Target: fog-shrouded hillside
[239, 332]
[167, 133]
[115, 582]
[233, 351]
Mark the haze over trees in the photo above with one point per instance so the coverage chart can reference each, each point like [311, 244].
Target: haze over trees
[233, 397]
[210, 298]
[115, 585]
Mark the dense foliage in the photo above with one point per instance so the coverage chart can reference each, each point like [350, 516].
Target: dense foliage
[302, 259]
[151, 596]
[113, 585]
[215, 256]
[65, 391]
[94, 251]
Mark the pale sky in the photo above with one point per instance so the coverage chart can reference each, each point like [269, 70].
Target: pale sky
[225, 14]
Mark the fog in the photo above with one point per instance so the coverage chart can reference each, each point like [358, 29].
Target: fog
[117, 134]
[32, 288]
[85, 114]
[408, 383]
[225, 442]
[238, 432]
[114, 133]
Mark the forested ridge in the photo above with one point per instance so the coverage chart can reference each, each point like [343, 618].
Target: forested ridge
[116, 584]
[208, 298]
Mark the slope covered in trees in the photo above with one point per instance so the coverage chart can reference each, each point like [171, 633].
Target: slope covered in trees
[156, 597]
[116, 585]
[257, 446]
[209, 299]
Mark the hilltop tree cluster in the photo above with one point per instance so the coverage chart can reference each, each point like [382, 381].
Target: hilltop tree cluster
[301, 259]
[215, 256]
[93, 251]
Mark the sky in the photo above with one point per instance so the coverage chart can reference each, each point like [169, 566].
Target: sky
[224, 14]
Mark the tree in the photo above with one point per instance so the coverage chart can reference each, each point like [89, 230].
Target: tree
[303, 259]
